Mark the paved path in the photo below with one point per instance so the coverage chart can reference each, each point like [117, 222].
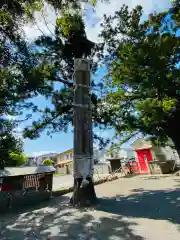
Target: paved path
[62, 182]
[67, 181]
[139, 208]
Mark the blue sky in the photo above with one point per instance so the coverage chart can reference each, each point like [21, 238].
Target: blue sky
[63, 141]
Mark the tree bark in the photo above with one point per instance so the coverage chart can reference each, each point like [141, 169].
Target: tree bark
[83, 196]
[84, 193]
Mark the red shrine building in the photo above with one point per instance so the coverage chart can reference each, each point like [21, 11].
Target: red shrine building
[153, 159]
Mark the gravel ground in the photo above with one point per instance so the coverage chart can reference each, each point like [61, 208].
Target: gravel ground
[138, 208]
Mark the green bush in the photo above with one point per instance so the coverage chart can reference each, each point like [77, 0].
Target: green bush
[17, 159]
[47, 162]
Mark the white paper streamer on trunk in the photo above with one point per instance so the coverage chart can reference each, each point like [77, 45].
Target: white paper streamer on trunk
[83, 167]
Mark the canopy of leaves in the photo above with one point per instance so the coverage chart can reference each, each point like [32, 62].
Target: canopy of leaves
[17, 159]
[47, 162]
[56, 56]
[20, 71]
[20, 74]
[144, 75]
[29, 70]
[8, 143]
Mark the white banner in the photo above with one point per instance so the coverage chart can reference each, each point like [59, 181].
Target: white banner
[83, 167]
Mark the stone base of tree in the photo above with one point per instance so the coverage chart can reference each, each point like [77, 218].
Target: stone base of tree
[83, 196]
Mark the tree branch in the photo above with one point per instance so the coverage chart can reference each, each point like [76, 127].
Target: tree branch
[63, 81]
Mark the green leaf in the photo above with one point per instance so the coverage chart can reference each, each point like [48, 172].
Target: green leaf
[144, 73]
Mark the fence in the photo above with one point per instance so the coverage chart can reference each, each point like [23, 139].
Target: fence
[18, 190]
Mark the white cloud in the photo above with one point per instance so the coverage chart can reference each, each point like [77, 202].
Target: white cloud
[115, 5]
[9, 117]
[44, 24]
[40, 153]
[93, 19]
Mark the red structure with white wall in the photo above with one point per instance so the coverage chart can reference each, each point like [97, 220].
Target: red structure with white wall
[143, 156]
[152, 159]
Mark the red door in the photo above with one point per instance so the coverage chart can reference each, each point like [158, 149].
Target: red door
[147, 154]
[144, 156]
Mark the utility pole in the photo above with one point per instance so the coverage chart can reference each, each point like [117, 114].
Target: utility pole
[84, 193]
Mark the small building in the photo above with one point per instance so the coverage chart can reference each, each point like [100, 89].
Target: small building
[119, 158]
[38, 159]
[154, 159]
[64, 162]
[64, 156]
[30, 161]
[24, 186]
[41, 158]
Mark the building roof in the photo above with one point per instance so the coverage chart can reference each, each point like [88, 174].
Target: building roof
[67, 151]
[141, 143]
[17, 171]
[36, 155]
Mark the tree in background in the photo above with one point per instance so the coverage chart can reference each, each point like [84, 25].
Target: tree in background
[20, 76]
[25, 75]
[47, 162]
[56, 56]
[144, 74]
[20, 73]
[49, 60]
[17, 159]
[8, 143]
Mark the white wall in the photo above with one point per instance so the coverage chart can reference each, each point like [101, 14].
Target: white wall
[39, 159]
[61, 170]
[103, 155]
[168, 153]
[100, 155]
[101, 168]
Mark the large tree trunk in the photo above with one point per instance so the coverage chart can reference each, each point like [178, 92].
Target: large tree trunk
[83, 195]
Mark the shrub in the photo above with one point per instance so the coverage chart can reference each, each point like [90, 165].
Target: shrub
[17, 159]
[47, 162]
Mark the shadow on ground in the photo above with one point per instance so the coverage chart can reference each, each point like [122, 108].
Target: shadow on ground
[159, 205]
[60, 221]
[111, 219]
